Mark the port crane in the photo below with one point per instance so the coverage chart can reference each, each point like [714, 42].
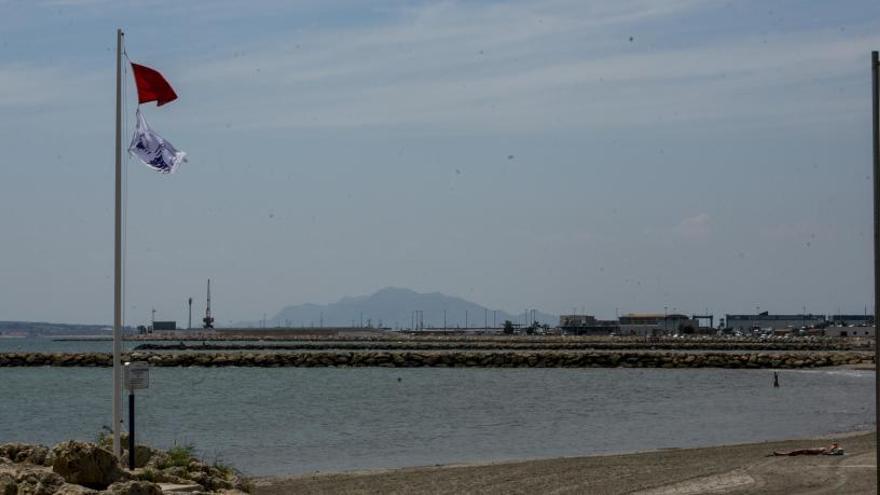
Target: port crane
[208, 320]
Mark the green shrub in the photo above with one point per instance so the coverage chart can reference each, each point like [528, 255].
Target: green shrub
[179, 456]
[148, 475]
[104, 437]
[225, 469]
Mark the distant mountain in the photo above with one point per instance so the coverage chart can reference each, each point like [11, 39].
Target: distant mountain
[394, 307]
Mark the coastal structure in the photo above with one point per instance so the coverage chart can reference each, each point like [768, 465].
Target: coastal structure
[164, 325]
[863, 320]
[657, 324]
[550, 358]
[208, 320]
[764, 320]
[637, 324]
[586, 325]
[647, 324]
[849, 331]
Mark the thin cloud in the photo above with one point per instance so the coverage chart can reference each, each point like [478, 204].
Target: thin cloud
[499, 69]
[695, 228]
[23, 86]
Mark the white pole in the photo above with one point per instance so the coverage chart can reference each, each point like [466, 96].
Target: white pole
[875, 135]
[117, 264]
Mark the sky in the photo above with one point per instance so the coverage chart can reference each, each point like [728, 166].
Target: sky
[608, 156]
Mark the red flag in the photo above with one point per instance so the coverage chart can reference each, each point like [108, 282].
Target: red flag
[152, 86]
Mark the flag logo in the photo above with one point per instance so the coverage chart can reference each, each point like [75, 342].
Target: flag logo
[152, 149]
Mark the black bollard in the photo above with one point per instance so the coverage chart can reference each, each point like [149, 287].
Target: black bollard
[131, 430]
[775, 379]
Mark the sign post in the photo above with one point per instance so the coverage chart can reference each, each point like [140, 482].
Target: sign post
[137, 376]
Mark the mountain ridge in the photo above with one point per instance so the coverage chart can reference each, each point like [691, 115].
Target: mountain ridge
[395, 307]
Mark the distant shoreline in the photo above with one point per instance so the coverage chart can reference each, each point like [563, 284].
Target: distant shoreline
[663, 472]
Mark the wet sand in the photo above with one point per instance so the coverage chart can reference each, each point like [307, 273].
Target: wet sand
[732, 469]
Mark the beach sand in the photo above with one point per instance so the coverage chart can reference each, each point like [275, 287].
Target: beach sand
[732, 469]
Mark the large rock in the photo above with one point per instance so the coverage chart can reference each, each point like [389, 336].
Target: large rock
[157, 460]
[85, 464]
[212, 483]
[21, 452]
[134, 488]
[37, 481]
[142, 456]
[68, 489]
[176, 471]
[8, 486]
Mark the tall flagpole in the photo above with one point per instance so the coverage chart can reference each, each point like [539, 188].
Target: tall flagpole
[117, 264]
[875, 137]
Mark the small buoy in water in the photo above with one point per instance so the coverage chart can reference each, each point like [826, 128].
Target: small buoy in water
[775, 379]
[399, 379]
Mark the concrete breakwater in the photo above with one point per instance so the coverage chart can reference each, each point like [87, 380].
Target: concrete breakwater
[700, 341]
[465, 345]
[476, 359]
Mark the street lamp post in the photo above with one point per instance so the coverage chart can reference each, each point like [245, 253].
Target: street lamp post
[665, 319]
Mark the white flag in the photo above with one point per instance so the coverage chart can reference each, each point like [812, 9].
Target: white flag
[153, 150]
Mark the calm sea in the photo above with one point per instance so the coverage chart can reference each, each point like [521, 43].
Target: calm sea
[8, 344]
[297, 420]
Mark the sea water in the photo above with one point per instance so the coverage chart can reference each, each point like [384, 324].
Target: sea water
[296, 420]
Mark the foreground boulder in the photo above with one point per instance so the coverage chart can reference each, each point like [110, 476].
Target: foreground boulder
[142, 455]
[21, 452]
[134, 488]
[8, 486]
[85, 464]
[69, 489]
[37, 481]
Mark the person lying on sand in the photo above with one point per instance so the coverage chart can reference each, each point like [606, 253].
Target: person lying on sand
[833, 449]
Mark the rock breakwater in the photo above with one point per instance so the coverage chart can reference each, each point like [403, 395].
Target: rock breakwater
[454, 359]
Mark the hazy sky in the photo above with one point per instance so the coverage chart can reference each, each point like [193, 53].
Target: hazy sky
[628, 154]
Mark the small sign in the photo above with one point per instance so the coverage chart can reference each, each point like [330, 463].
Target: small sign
[137, 375]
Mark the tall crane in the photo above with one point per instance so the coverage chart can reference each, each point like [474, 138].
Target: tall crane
[208, 320]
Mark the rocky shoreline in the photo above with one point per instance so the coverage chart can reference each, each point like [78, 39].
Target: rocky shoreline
[455, 359]
[83, 468]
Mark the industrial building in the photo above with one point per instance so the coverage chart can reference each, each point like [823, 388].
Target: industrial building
[774, 322]
[646, 324]
[635, 324]
[849, 331]
[164, 325]
[586, 325]
[857, 320]
[656, 324]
